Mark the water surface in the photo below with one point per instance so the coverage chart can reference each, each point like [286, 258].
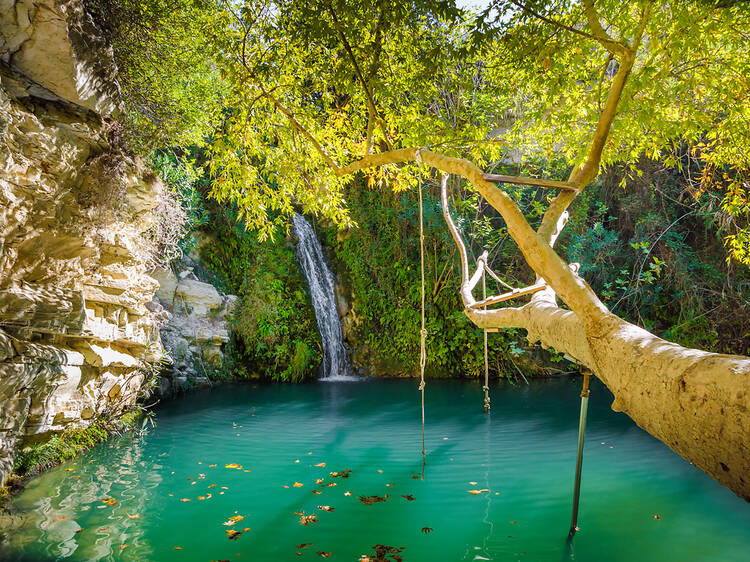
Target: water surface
[523, 453]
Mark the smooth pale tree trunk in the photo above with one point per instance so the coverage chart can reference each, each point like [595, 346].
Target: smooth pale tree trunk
[697, 403]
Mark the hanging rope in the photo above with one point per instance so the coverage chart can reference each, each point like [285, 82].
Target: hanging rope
[422, 331]
[486, 386]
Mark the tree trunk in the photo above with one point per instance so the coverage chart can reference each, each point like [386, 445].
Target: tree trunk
[697, 403]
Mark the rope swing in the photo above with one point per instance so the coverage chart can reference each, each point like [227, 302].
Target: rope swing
[422, 331]
[486, 386]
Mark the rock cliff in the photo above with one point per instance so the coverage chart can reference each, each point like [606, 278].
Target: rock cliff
[194, 330]
[77, 318]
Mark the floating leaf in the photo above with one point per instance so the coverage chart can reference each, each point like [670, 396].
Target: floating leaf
[326, 508]
[233, 465]
[308, 519]
[201, 497]
[409, 497]
[123, 547]
[657, 516]
[323, 554]
[177, 547]
[298, 484]
[473, 483]
[426, 530]
[135, 516]
[477, 492]
[232, 520]
[347, 493]
[185, 500]
[369, 500]
[232, 534]
[316, 492]
[321, 464]
[303, 545]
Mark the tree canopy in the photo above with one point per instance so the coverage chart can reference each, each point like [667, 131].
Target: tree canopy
[283, 92]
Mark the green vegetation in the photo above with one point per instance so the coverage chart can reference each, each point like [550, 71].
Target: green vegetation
[275, 96]
[70, 443]
[273, 331]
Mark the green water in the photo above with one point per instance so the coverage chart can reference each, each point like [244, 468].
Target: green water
[523, 452]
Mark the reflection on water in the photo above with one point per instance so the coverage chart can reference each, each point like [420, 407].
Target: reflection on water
[89, 509]
[169, 495]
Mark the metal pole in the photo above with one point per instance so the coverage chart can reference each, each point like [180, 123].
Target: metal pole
[579, 458]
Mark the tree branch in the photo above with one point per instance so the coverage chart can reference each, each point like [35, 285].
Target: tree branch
[585, 174]
[297, 125]
[536, 251]
[609, 45]
[613, 46]
[372, 111]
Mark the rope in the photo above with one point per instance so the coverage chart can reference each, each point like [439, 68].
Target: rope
[486, 386]
[422, 331]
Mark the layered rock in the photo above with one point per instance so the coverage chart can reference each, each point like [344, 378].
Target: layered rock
[74, 325]
[195, 330]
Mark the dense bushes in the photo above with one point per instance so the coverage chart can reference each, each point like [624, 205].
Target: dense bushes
[379, 262]
[273, 332]
[654, 253]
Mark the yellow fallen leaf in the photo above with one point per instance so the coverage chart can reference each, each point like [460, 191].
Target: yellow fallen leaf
[136, 516]
[321, 464]
[178, 548]
[123, 547]
[185, 500]
[233, 465]
[70, 469]
[473, 483]
[201, 497]
[298, 484]
[476, 492]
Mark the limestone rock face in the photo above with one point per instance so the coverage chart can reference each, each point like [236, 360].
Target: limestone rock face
[74, 285]
[196, 329]
[53, 43]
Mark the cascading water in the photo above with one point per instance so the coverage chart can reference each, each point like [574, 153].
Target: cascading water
[321, 283]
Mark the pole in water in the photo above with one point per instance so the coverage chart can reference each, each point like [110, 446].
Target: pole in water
[579, 458]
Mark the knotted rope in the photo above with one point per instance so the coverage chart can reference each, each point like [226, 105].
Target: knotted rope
[422, 331]
[486, 386]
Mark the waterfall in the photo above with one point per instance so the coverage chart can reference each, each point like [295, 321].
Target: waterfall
[321, 283]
